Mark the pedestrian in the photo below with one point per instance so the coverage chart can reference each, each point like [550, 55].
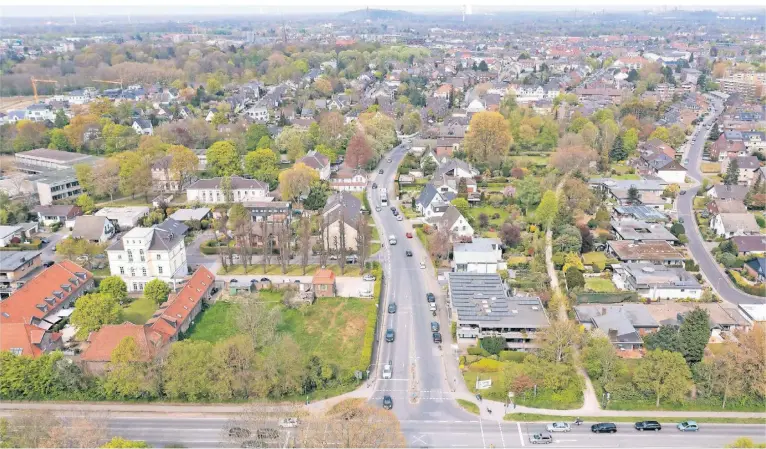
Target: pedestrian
[514, 406]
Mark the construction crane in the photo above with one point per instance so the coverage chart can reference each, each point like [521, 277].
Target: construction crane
[34, 85]
[111, 82]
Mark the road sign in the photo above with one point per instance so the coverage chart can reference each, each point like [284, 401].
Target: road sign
[483, 384]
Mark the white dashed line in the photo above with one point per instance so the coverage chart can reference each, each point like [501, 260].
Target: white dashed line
[481, 427]
[521, 435]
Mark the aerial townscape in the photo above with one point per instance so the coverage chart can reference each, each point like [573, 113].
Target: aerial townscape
[347, 226]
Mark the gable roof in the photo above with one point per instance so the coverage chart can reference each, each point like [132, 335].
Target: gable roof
[237, 182]
[323, 276]
[25, 338]
[88, 227]
[172, 313]
[427, 195]
[106, 339]
[450, 217]
[315, 160]
[68, 211]
[750, 243]
[346, 202]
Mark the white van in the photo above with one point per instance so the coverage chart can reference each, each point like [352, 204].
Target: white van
[392, 239]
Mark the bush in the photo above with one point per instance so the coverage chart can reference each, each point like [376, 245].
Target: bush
[493, 345]
[574, 278]
[474, 350]
[209, 247]
[512, 356]
[756, 290]
[487, 365]
[56, 226]
[761, 221]
[690, 265]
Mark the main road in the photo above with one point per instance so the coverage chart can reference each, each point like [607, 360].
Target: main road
[685, 204]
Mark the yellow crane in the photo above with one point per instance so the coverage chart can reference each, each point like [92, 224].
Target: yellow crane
[111, 82]
[34, 85]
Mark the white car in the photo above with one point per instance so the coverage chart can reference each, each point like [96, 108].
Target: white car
[558, 427]
[388, 370]
[422, 264]
[368, 277]
[399, 218]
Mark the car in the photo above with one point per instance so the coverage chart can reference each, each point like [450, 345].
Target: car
[437, 337]
[333, 257]
[422, 264]
[297, 281]
[648, 425]
[559, 426]
[389, 159]
[604, 427]
[408, 235]
[388, 403]
[352, 259]
[368, 277]
[267, 434]
[430, 297]
[408, 253]
[393, 208]
[388, 370]
[380, 172]
[239, 432]
[374, 185]
[392, 308]
[390, 335]
[688, 426]
[288, 423]
[377, 209]
[265, 280]
[432, 307]
[48, 263]
[434, 326]
[44, 241]
[399, 218]
[541, 438]
[682, 192]
[680, 219]
[396, 213]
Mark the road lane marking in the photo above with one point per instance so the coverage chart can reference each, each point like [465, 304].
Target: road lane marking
[521, 435]
[502, 438]
[481, 427]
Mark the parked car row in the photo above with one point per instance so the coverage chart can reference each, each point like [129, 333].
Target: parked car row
[606, 427]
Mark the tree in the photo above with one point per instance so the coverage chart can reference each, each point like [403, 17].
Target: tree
[293, 142]
[135, 175]
[462, 188]
[528, 193]
[726, 374]
[157, 291]
[630, 141]
[223, 159]
[493, 345]
[296, 181]
[601, 360]
[106, 177]
[665, 338]
[304, 241]
[358, 151]
[574, 278]
[93, 311]
[86, 203]
[694, 334]
[258, 321]
[547, 209]
[59, 141]
[488, 138]
[118, 442]
[558, 341]
[439, 244]
[634, 196]
[61, 119]
[265, 142]
[661, 133]
[255, 133]
[618, 152]
[461, 204]
[317, 197]
[663, 374]
[183, 164]
[510, 234]
[260, 159]
[327, 152]
[574, 158]
[731, 177]
[187, 373]
[115, 287]
[84, 174]
[129, 374]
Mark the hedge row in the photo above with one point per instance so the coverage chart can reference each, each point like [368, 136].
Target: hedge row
[35, 245]
[744, 286]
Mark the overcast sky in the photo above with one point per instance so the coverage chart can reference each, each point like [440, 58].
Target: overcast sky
[46, 8]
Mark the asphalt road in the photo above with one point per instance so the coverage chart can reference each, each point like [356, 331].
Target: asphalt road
[685, 204]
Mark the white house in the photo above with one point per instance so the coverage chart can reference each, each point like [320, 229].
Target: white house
[39, 112]
[432, 203]
[318, 162]
[124, 217]
[143, 126]
[209, 191]
[729, 225]
[93, 228]
[455, 223]
[259, 114]
[347, 180]
[656, 281]
[144, 254]
[482, 255]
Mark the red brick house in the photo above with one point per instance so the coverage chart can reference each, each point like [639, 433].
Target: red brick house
[324, 283]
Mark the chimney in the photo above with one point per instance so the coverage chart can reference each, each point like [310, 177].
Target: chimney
[612, 334]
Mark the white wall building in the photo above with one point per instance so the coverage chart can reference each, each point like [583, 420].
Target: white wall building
[482, 255]
[656, 281]
[209, 191]
[144, 254]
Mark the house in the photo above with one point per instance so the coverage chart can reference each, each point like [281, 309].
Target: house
[481, 255]
[455, 223]
[729, 225]
[27, 340]
[643, 213]
[173, 226]
[258, 114]
[16, 268]
[323, 283]
[271, 211]
[658, 252]
[210, 191]
[484, 309]
[649, 190]
[342, 209]
[48, 297]
[349, 180]
[757, 268]
[64, 214]
[431, 203]
[723, 316]
[144, 254]
[54, 185]
[641, 231]
[175, 315]
[124, 218]
[93, 228]
[624, 324]
[748, 167]
[197, 214]
[750, 244]
[726, 207]
[656, 281]
[100, 344]
[318, 162]
[143, 127]
[728, 192]
[8, 233]
[164, 179]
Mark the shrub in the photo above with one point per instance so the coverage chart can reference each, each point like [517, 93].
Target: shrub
[512, 356]
[756, 290]
[56, 226]
[574, 278]
[475, 350]
[487, 365]
[761, 221]
[493, 345]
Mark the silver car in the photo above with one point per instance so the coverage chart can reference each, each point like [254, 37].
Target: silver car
[558, 427]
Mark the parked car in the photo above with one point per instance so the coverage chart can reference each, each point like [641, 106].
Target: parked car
[390, 335]
[352, 259]
[380, 172]
[44, 241]
[238, 432]
[288, 423]
[377, 209]
[392, 308]
[374, 185]
[389, 159]
[368, 277]
[265, 280]
[541, 438]
[604, 427]
[408, 253]
[388, 370]
[432, 307]
[48, 263]
[688, 426]
[430, 297]
[422, 264]
[388, 403]
[437, 337]
[648, 425]
[558, 427]
[434, 326]
[408, 235]
[393, 208]
[399, 217]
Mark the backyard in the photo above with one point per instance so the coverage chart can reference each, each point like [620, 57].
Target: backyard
[599, 285]
[499, 214]
[139, 311]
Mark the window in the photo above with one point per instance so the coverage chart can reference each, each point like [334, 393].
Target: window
[159, 257]
[122, 270]
[135, 286]
[143, 271]
[132, 272]
[141, 252]
[159, 269]
[130, 256]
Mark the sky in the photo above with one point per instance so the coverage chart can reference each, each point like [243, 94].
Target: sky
[47, 8]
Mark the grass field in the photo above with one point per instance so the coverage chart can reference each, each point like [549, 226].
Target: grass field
[292, 270]
[710, 167]
[468, 406]
[474, 213]
[139, 311]
[532, 417]
[531, 160]
[218, 322]
[593, 257]
[600, 285]
[627, 177]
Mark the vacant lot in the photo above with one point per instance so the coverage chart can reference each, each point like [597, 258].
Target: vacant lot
[139, 311]
[216, 323]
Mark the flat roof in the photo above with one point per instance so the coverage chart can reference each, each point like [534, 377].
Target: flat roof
[655, 250]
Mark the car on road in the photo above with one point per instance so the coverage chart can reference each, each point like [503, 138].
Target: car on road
[288, 423]
[430, 297]
[392, 308]
[44, 241]
[388, 403]
[688, 426]
[399, 217]
[559, 426]
[393, 208]
[380, 172]
[396, 213]
[48, 263]
[352, 259]
[541, 438]
[374, 185]
[422, 264]
[239, 432]
[432, 307]
[389, 159]
[604, 427]
[377, 209]
[437, 337]
[648, 425]
[682, 192]
[368, 277]
[390, 335]
[408, 253]
[680, 219]
[388, 370]
[434, 326]
[408, 235]
[265, 280]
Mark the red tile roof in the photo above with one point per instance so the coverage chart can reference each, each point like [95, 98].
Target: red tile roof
[169, 317]
[103, 341]
[323, 276]
[19, 336]
[47, 290]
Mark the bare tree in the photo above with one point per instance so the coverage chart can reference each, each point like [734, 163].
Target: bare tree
[258, 321]
[363, 237]
[284, 236]
[323, 243]
[439, 244]
[304, 241]
[342, 243]
[267, 244]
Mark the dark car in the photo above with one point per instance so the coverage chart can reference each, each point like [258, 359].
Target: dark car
[265, 280]
[683, 192]
[648, 425]
[388, 403]
[48, 263]
[434, 326]
[390, 335]
[396, 212]
[238, 432]
[408, 253]
[437, 337]
[393, 208]
[604, 427]
[392, 308]
[44, 241]
[430, 297]
[374, 185]
[380, 172]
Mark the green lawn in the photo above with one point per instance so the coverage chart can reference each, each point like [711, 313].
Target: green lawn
[139, 311]
[469, 406]
[600, 285]
[594, 257]
[474, 213]
[218, 322]
[292, 270]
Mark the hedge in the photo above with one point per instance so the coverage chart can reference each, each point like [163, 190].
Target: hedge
[33, 246]
[210, 247]
[744, 286]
